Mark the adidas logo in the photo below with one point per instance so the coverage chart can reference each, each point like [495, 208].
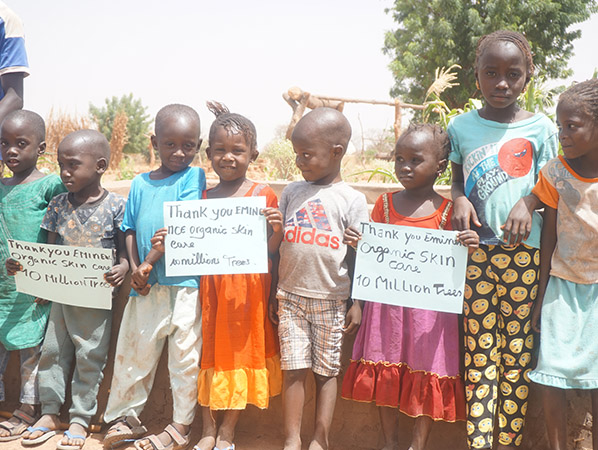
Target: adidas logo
[310, 226]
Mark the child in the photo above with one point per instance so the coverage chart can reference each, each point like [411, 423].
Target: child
[170, 311]
[568, 301]
[24, 198]
[402, 357]
[497, 153]
[314, 282]
[240, 362]
[86, 216]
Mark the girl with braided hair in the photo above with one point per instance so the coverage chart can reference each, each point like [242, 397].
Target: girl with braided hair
[240, 361]
[497, 152]
[567, 303]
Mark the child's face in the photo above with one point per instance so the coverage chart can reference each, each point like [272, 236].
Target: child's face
[577, 132]
[80, 168]
[318, 160]
[501, 74]
[177, 141]
[20, 146]
[230, 154]
[417, 160]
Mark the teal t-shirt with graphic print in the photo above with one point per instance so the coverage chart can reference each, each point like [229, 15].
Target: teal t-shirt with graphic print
[500, 163]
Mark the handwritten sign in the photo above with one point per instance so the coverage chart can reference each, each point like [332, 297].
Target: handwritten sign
[63, 274]
[406, 266]
[216, 236]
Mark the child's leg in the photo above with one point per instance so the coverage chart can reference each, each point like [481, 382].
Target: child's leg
[209, 429]
[555, 414]
[389, 419]
[293, 399]
[326, 390]
[226, 431]
[53, 372]
[143, 330]
[421, 432]
[90, 331]
[184, 351]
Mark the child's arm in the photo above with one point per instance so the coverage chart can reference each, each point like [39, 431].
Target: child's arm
[469, 238]
[547, 245]
[353, 317]
[463, 211]
[274, 219]
[519, 223]
[117, 274]
[273, 301]
[351, 236]
[137, 276]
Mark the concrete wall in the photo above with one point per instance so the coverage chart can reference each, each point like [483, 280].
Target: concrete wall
[355, 424]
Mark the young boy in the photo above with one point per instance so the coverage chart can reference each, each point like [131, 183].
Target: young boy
[170, 311]
[24, 198]
[314, 274]
[86, 216]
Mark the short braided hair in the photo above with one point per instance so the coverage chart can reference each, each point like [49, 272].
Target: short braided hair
[233, 123]
[506, 36]
[441, 138]
[584, 95]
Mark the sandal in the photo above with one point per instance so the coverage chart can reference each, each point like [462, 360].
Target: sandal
[123, 430]
[16, 429]
[40, 439]
[67, 433]
[177, 440]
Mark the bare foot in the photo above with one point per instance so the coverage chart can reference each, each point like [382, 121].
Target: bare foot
[16, 426]
[165, 438]
[391, 446]
[73, 438]
[316, 445]
[49, 421]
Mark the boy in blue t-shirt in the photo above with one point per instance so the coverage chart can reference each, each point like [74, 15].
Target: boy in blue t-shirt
[168, 310]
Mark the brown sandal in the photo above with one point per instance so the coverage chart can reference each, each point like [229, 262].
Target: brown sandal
[16, 429]
[177, 440]
[123, 430]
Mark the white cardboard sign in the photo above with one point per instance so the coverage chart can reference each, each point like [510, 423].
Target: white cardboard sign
[216, 236]
[64, 274]
[407, 266]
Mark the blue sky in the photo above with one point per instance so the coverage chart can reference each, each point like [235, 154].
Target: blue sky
[245, 54]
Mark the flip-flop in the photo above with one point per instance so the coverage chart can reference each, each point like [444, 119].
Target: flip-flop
[69, 435]
[40, 439]
[177, 440]
[230, 447]
[125, 429]
[16, 429]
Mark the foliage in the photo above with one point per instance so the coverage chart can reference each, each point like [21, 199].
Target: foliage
[387, 174]
[125, 168]
[281, 160]
[445, 32]
[118, 140]
[138, 124]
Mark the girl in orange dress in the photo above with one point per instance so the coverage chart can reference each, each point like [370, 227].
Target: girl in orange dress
[240, 361]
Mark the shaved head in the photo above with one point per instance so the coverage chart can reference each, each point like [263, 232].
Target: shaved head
[32, 121]
[90, 142]
[176, 111]
[326, 124]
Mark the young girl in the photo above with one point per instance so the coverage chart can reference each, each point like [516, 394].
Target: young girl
[24, 198]
[402, 357]
[568, 301]
[240, 363]
[497, 154]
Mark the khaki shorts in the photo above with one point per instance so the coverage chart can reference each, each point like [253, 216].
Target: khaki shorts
[311, 333]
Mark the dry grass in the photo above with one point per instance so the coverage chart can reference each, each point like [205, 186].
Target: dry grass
[118, 140]
[58, 125]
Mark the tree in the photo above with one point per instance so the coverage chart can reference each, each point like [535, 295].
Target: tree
[138, 123]
[439, 33]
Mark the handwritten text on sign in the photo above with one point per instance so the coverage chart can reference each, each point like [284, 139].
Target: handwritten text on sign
[216, 236]
[415, 267]
[63, 274]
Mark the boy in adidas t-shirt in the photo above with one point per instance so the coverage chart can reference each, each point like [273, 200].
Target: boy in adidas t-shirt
[314, 276]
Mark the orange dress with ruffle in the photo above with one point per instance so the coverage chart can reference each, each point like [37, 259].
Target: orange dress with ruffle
[240, 361]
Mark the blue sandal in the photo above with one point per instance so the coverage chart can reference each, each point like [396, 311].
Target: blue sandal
[67, 433]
